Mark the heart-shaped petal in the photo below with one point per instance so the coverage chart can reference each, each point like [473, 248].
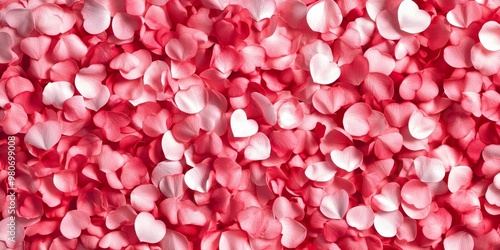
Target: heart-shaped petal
[356, 119]
[412, 19]
[429, 169]
[459, 177]
[260, 9]
[172, 149]
[416, 193]
[49, 19]
[96, 17]
[125, 25]
[192, 100]
[387, 223]
[73, 223]
[459, 241]
[55, 93]
[88, 81]
[360, 217]
[199, 178]
[323, 71]
[489, 35]
[120, 216]
[320, 171]
[241, 126]
[459, 56]
[420, 125]
[348, 159]
[324, 16]
[259, 147]
[464, 14]
[182, 48]
[265, 106]
[44, 135]
[487, 62]
[389, 198]
[143, 197]
[293, 233]
[334, 206]
[21, 20]
[148, 229]
[35, 47]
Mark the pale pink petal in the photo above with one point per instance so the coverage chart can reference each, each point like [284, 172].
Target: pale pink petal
[182, 48]
[293, 233]
[199, 178]
[44, 135]
[387, 223]
[320, 171]
[66, 180]
[241, 126]
[124, 25]
[323, 71]
[148, 229]
[459, 241]
[215, 4]
[492, 195]
[389, 198]
[35, 47]
[459, 56]
[408, 230]
[73, 223]
[55, 93]
[13, 118]
[411, 19]
[379, 61]
[360, 217]
[48, 19]
[289, 114]
[429, 169]
[96, 17]
[464, 14]
[334, 206]
[260, 9]
[163, 169]
[387, 25]
[487, 62]
[282, 208]
[192, 100]
[265, 107]
[114, 240]
[259, 147]
[348, 159]
[173, 186]
[98, 101]
[489, 35]
[143, 197]
[172, 149]
[232, 240]
[420, 125]
[459, 177]
[174, 240]
[324, 16]
[21, 20]
[355, 119]
[416, 193]
[122, 215]
[88, 81]
[69, 46]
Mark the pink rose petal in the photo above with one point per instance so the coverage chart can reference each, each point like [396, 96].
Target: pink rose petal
[148, 229]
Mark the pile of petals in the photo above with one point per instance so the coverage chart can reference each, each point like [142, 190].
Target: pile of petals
[251, 124]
